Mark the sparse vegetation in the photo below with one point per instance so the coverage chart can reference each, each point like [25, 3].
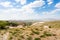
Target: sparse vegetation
[29, 38]
[47, 33]
[35, 32]
[13, 24]
[3, 24]
[30, 32]
[42, 36]
[37, 39]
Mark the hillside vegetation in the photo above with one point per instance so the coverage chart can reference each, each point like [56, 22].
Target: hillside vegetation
[53, 24]
[39, 31]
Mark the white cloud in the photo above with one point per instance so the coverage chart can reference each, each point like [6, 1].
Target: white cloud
[17, 14]
[6, 4]
[29, 8]
[50, 1]
[56, 11]
[37, 3]
[53, 12]
[57, 5]
[17, 0]
[21, 1]
[26, 12]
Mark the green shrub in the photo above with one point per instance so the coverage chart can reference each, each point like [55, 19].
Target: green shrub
[35, 32]
[37, 39]
[32, 34]
[42, 36]
[29, 38]
[47, 33]
[3, 25]
[13, 24]
[49, 26]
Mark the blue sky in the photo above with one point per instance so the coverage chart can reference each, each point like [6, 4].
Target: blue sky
[29, 9]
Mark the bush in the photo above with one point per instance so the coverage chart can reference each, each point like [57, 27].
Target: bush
[13, 24]
[29, 38]
[35, 32]
[49, 26]
[3, 24]
[42, 36]
[47, 34]
[37, 39]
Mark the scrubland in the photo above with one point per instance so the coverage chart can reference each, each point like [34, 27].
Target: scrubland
[35, 31]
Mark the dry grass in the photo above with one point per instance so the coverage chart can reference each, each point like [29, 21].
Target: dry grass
[37, 32]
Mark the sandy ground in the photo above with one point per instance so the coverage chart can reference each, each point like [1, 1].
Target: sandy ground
[5, 36]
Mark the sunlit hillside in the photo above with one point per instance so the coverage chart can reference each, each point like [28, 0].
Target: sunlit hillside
[31, 31]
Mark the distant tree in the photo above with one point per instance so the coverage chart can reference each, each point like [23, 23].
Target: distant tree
[3, 24]
[13, 24]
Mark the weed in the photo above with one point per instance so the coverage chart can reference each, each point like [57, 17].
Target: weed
[37, 39]
[35, 32]
[29, 38]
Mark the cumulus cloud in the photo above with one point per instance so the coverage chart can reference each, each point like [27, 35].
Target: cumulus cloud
[56, 11]
[57, 5]
[21, 1]
[37, 3]
[50, 1]
[17, 14]
[5, 4]
[53, 12]
[26, 12]
[32, 5]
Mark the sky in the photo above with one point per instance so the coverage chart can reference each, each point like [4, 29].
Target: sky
[29, 9]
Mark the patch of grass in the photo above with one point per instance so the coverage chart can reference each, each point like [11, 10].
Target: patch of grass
[32, 34]
[42, 36]
[29, 38]
[37, 39]
[47, 33]
[10, 38]
[35, 32]
[22, 36]
[14, 33]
